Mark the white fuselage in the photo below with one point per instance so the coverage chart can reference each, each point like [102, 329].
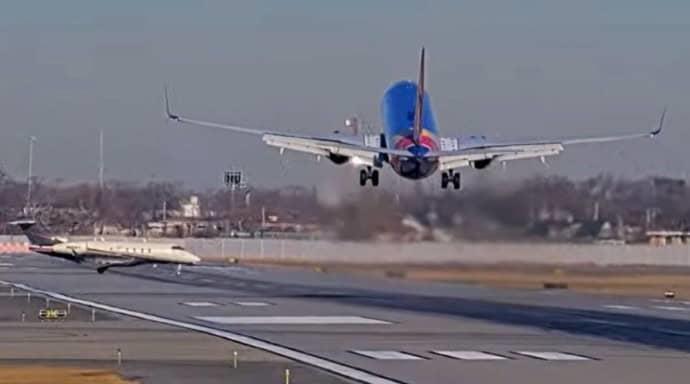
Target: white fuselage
[120, 251]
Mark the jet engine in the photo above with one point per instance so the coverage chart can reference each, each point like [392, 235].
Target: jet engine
[338, 159]
[481, 164]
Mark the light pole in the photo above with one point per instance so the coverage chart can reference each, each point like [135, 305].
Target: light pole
[29, 180]
[101, 164]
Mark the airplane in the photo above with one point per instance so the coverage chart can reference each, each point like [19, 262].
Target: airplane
[106, 254]
[411, 142]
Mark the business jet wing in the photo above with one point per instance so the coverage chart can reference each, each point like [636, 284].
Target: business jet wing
[456, 154]
[336, 144]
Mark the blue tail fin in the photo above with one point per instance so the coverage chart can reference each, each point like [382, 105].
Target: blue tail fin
[419, 102]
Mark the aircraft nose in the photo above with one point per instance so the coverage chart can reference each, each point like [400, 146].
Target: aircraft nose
[193, 259]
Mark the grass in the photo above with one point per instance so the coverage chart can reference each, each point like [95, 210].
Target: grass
[645, 281]
[58, 375]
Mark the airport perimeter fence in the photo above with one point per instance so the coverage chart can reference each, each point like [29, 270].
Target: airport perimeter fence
[324, 252]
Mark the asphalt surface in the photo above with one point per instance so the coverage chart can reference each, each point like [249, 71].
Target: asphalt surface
[409, 332]
[150, 353]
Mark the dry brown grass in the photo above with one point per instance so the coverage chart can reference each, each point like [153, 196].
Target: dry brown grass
[649, 281]
[58, 375]
[652, 284]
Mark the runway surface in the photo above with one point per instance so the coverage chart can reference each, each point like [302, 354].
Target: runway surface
[397, 330]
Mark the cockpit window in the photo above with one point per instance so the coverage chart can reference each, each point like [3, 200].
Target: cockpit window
[178, 247]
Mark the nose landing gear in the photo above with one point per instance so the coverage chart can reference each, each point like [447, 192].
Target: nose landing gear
[451, 177]
[369, 174]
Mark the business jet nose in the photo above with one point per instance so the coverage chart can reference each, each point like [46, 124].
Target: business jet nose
[193, 259]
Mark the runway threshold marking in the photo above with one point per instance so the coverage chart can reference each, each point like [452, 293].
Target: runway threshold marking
[200, 304]
[387, 355]
[470, 355]
[621, 307]
[553, 356]
[292, 320]
[295, 355]
[670, 308]
[252, 303]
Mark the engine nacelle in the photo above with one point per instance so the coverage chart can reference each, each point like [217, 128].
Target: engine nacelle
[338, 159]
[481, 164]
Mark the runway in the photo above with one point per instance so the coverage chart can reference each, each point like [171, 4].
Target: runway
[397, 330]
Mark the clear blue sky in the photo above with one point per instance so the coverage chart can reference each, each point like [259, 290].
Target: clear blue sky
[507, 69]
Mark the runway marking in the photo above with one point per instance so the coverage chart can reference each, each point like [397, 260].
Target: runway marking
[670, 308]
[621, 307]
[387, 355]
[672, 332]
[298, 356]
[470, 355]
[227, 270]
[553, 356]
[606, 322]
[200, 304]
[6, 264]
[293, 320]
[252, 303]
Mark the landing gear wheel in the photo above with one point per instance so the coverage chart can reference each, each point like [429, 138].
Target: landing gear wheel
[363, 176]
[375, 178]
[456, 181]
[369, 174]
[444, 180]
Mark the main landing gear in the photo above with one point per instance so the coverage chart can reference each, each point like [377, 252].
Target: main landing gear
[450, 177]
[369, 174]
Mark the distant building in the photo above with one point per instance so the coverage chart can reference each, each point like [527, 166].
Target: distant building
[192, 208]
[662, 238]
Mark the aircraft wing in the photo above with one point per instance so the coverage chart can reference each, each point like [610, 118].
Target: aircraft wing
[340, 145]
[462, 155]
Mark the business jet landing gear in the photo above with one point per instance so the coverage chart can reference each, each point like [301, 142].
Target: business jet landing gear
[179, 270]
[369, 174]
[450, 177]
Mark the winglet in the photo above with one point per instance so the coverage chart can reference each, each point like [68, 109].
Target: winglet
[168, 113]
[419, 105]
[658, 129]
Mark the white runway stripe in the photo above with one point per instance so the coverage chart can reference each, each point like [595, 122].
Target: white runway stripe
[294, 320]
[251, 303]
[670, 308]
[387, 355]
[553, 356]
[200, 304]
[621, 307]
[315, 361]
[470, 355]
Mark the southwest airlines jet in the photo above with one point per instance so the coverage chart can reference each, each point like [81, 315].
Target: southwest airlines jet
[411, 141]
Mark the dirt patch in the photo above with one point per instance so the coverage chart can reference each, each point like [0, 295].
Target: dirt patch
[62, 375]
